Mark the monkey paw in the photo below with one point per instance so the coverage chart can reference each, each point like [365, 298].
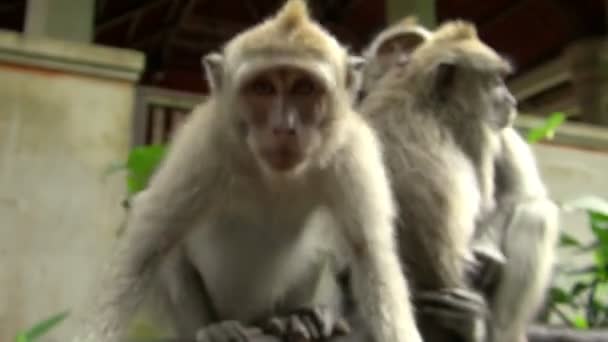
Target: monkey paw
[458, 310]
[490, 265]
[307, 324]
[228, 331]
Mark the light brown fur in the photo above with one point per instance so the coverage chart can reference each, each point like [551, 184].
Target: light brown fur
[516, 220]
[243, 226]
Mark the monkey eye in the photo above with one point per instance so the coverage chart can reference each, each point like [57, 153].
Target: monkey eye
[303, 86]
[262, 87]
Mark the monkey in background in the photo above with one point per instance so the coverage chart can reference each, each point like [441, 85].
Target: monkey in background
[435, 184]
[276, 141]
[514, 243]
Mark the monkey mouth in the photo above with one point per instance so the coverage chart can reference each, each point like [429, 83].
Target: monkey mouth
[283, 159]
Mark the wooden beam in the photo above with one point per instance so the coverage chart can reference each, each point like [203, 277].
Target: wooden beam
[221, 28]
[174, 11]
[572, 134]
[129, 14]
[153, 39]
[539, 79]
[195, 46]
[133, 27]
[100, 8]
[12, 6]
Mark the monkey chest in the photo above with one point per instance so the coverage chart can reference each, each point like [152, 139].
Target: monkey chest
[250, 258]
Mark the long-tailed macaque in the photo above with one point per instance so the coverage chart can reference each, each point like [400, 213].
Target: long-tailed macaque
[514, 243]
[435, 183]
[276, 141]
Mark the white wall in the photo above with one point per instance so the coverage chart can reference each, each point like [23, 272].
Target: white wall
[571, 173]
[63, 121]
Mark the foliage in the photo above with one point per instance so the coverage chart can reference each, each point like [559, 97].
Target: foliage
[547, 130]
[140, 164]
[585, 304]
[40, 328]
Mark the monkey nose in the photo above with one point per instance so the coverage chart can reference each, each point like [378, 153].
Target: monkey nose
[511, 100]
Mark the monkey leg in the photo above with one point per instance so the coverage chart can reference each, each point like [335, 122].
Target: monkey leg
[318, 323]
[461, 311]
[529, 243]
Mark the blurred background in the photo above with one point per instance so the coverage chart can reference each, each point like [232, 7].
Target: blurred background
[83, 82]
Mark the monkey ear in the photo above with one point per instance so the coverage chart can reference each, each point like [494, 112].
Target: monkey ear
[354, 75]
[403, 44]
[213, 64]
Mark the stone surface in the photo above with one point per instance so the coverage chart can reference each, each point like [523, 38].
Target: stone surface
[60, 129]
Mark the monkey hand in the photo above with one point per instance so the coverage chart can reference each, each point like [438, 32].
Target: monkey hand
[458, 310]
[487, 271]
[231, 331]
[307, 324]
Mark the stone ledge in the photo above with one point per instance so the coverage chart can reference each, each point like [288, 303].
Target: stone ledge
[68, 56]
[587, 136]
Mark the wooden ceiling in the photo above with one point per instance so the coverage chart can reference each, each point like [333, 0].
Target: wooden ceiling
[175, 33]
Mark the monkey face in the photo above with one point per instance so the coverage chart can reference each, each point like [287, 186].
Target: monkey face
[481, 93]
[503, 104]
[496, 103]
[283, 108]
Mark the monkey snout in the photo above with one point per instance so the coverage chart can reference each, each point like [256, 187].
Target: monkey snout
[510, 99]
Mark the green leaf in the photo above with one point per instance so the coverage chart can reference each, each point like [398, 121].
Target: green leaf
[599, 226]
[559, 296]
[580, 322]
[41, 328]
[567, 240]
[578, 288]
[547, 130]
[141, 164]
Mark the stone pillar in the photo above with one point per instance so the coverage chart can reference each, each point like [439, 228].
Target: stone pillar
[587, 61]
[65, 116]
[423, 9]
[61, 19]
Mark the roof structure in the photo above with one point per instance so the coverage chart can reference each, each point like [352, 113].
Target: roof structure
[175, 33]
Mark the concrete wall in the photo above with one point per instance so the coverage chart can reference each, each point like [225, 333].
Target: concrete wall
[65, 116]
[572, 173]
[574, 164]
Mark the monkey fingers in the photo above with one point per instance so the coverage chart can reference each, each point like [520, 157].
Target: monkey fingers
[228, 331]
[458, 300]
[459, 310]
[488, 272]
[310, 324]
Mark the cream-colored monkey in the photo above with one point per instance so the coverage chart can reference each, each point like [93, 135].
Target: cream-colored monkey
[515, 240]
[276, 141]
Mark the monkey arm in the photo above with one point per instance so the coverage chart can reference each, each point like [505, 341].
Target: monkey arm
[529, 245]
[160, 217]
[363, 204]
[527, 237]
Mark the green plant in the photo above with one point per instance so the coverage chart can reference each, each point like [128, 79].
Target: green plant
[140, 164]
[585, 304]
[547, 130]
[39, 329]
